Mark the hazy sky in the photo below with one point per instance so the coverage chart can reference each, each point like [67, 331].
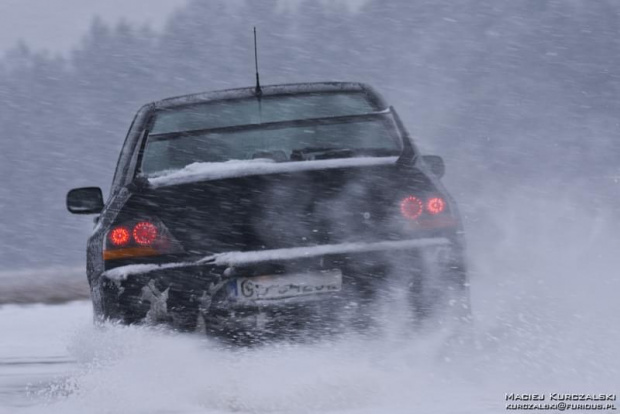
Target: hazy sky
[58, 25]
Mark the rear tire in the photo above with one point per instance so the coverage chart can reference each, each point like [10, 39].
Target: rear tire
[439, 290]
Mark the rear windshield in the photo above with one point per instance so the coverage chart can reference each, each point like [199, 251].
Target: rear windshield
[228, 113]
[373, 136]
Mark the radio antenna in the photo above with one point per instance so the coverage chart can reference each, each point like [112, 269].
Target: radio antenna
[258, 91]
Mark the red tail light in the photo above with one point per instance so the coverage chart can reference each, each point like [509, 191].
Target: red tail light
[435, 205]
[119, 236]
[135, 239]
[145, 233]
[429, 212]
[422, 209]
[411, 207]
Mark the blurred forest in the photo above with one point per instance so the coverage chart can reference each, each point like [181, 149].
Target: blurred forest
[506, 91]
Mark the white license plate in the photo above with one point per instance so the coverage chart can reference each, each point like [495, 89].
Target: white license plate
[286, 286]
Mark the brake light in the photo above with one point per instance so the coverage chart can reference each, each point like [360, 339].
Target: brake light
[145, 233]
[411, 207]
[419, 209]
[435, 205]
[139, 238]
[119, 236]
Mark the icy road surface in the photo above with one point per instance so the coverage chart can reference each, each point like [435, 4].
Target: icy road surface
[545, 290]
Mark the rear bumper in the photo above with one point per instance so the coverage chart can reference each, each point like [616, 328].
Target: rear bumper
[132, 293]
[233, 259]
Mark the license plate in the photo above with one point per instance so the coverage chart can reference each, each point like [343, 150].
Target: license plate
[285, 286]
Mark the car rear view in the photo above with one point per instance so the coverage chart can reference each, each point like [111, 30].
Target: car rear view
[302, 207]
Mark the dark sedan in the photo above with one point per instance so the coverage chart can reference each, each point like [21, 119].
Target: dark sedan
[306, 205]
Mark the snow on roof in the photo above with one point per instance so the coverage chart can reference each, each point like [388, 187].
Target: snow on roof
[203, 171]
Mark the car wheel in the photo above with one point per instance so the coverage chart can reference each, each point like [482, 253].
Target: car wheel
[438, 289]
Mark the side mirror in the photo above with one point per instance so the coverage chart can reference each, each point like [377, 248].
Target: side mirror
[436, 164]
[86, 200]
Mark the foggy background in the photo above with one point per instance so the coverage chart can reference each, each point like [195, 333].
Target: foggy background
[519, 91]
[511, 93]
[43, 24]
[519, 96]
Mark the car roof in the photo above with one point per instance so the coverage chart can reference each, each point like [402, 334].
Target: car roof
[271, 90]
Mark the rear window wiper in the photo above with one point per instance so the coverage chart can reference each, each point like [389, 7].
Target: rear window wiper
[323, 153]
[320, 153]
[377, 152]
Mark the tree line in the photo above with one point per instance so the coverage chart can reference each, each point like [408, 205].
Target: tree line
[513, 88]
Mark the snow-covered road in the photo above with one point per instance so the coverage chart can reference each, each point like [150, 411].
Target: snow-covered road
[33, 350]
[55, 361]
[545, 290]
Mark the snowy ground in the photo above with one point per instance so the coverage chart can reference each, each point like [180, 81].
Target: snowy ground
[33, 349]
[547, 319]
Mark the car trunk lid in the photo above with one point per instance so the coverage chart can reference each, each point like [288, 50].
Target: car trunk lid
[213, 212]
